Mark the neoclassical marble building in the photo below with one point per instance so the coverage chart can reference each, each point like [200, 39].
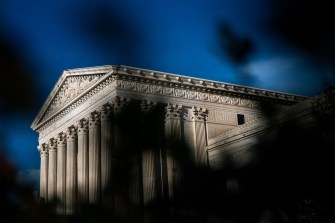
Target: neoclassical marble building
[111, 135]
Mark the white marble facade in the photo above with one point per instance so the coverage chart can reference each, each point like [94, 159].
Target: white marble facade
[81, 136]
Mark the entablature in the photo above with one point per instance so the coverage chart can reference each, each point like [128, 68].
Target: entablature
[78, 86]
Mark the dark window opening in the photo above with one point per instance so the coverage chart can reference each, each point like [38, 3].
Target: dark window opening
[240, 119]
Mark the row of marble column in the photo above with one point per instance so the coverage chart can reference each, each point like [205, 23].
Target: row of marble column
[76, 165]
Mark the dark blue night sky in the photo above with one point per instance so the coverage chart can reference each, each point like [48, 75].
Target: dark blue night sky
[175, 36]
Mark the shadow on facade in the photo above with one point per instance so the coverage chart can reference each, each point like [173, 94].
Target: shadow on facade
[290, 181]
[154, 176]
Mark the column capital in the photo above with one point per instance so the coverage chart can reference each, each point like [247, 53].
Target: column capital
[94, 119]
[83, 126]
[200, 114]
[173, 111]
[147, 106]
[106, 111]
[53, 145]
[61, 138]
[119, 103]
[71, 133]
[43, 149]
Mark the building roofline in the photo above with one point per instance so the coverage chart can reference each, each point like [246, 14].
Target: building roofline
[175, 79]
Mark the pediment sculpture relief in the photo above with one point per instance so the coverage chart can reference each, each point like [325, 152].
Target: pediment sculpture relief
[72, 87]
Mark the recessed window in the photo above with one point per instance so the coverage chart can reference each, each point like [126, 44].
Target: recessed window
[240, 119]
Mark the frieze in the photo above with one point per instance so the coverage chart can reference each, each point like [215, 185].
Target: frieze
[167, 91]
[180, 93]
[185, 93]
[128, 85]
[108, 85]
[203, 96]
[155, 89]
[143, 87]
[214, 98]
[192, 94]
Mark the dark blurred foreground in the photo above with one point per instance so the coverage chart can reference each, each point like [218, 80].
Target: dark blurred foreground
[292, 180]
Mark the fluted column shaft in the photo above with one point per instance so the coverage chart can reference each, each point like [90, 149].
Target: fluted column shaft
[120, 190]
[200, 119]
[107, 144]
[94, 159]
[83, 166]
[173, 141]
[52, 172]
[61, 173]
[189, 134]
[71, 171]
[149, 154]
[44, 172]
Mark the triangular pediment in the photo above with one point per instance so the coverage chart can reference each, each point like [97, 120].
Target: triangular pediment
[70, 86]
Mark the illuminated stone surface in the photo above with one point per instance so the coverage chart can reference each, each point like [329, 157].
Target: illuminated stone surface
[87, 113]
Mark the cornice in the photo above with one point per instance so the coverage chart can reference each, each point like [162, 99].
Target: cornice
[152, 82]
[209, 85]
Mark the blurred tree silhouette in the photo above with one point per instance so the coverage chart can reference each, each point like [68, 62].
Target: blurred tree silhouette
[17, 96]
[308, 25]
[292, 181]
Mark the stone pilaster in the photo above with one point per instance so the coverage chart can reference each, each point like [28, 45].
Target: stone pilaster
[82, 164]
[94, 159]
[173, 142]
[107, 147]
[61, 172]
[44, 151]
[52, 172]
[71, 171]
[200, 119]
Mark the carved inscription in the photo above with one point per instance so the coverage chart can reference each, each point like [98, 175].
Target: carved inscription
[222, 117]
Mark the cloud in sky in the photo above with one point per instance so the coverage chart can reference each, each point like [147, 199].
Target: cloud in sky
[288, 72]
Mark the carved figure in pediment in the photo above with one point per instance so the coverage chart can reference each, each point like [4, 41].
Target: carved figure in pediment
[60, 99]
[72, 89]
[84, 83]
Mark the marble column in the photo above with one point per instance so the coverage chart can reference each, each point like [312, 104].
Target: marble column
[82, 164]
[148, 157]
[71, 171]
[52, 172]
[107, 144]
[121, 193]
[189, 134]
[94, 159]
[173, 142]
[61, 173]
[43, 149]
[200, 119]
